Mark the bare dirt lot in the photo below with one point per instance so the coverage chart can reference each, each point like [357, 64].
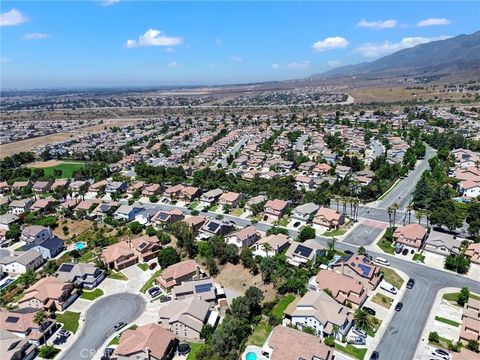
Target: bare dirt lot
[45, 164]
[391, 94]
[29, 144]
[75, 227]
[237, 278]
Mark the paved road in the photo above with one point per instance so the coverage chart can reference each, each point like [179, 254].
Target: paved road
[402, 192]
[4, 253]
[378, 148]
[363, 235]
[233, 151]
[300, 142]
[99, 322]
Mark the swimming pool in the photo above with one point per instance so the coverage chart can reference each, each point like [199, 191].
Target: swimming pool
[251, 356]
[79, 246]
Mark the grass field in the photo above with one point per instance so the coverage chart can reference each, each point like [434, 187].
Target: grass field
[278, 309]
[419, 257]
[143, 266]
[392, 277]
[194, 348]
[66, 168]
[117, 275]
[91, 295]
[454, 297]
[386, 246]
[351, 350]
[69, 319]
[336, 232]
[260, 333]
[447, 321]
[382, 300]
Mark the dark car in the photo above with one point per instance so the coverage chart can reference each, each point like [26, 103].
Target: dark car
[165, 299]
[154, 290]
[410, 283]
[368, 256]
[348, 252]
[120, 325]
[375, 355]
[107, 353]
[405, 252]
[369, 311]
[399, 306]
[152, 266]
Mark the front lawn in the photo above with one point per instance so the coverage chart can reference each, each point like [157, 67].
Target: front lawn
[447, 321]
[69, 319]
[357, 353]
[260, 334]
[390, 276]
[116, 339]
[237, 212]
[382, 300]
[375, 325]
[282, 304]
[453, 297]
[283, 221]
[386, 246]
[194, 349]
[150, 281]
[143, 266]
[91, 295]
[419, 257]
[213, 208]
[117, 275]
[336, 232]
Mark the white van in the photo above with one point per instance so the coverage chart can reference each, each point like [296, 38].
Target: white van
[382, 261]
[388, 287]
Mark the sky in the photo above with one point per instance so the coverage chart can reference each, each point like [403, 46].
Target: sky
[110, 43]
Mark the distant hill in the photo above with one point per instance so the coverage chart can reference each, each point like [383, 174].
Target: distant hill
[459, 54]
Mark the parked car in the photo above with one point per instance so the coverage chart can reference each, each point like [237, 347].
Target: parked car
[368, 256]
[442, 354]
[165, 299]
[119, 326]
[107, 353]
[410, 283]
[382, 261]
[152, 266]
[399, 306]
[357, 340]
[375, 355]
[359, 332]
[398, 248]
[405, 252]
[388, 287]
[154, 291]
[64, 333]
[348, 252]
[369, 310]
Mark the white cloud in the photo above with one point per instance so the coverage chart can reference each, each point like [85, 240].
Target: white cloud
[333, 63]
[12, 17]
[170, 50]
[433, 22]
[109, 2]
[35, 36]
[378, 25]
[154, 37]
[372, 50]
[172, 64]
[218, 42]
[330, 43]
[4, 60]
[275, 66]
[236, 58]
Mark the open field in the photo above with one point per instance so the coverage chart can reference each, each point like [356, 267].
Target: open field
[67, 168]
[391, 94]
[29, 144]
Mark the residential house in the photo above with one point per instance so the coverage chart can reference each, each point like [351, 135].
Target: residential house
[243, 238]
[473, 252]
[185, 318]
[302, 213]
[211, 197]
[411, 236]
[167, 217]
[127, 212]
[469, 188]
[147, 342]
[44, 205]
[176, 273]
[8, 219]
[342, 288]
[275, 209]
[317, 310]
[49, 248]
[215, 227]
[41, 187]
[203, 288]
[20, 263]
[328, 218]
[145, 247]
[48, 294]
[442, 243]
[119, 256]
[88, 276]
[254, 201]
[470, 330]
[14, 347]
[22, 325]
[21, 206]
[195, 222]
[116, 186]
[300, 346]
[299, 253]
[360, 268]
[36, 233]
[150, 190]
[304, 182]
[230, 198]
[174, 192]
[190, 193]
[272, 245]
[343, 171]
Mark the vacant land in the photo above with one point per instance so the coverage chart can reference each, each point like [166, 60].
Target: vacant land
[392, 277]
[237, 278]
[74, 227]
[391, 94]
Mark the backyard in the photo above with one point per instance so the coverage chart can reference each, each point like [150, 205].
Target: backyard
[260, 333]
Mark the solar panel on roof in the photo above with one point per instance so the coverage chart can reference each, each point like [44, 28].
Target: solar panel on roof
[163, 216]
[213, 226]
[12, 319]
[142, 245]
[303, 251]
[365, 269]
[203, 288]
[66, 268]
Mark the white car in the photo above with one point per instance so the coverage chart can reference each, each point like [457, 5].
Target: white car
[440, 353]
[388, 287]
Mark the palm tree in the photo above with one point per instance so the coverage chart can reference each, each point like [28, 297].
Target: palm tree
[362, 320]
[395, 208]
[267, 247]
[39, 319]
[409, 210]
[331, 244]
[419, 214]
[390, 211]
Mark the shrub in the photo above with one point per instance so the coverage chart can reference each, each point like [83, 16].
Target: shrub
[329, 341]
[433, 337]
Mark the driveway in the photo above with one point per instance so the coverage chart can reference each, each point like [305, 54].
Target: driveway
[99, 321]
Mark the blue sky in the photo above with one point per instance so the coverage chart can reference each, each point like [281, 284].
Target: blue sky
[134, 43]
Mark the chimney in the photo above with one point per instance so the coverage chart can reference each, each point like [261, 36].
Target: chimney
[147, 352]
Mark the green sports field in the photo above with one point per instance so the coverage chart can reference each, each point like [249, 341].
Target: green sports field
[67, 169]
